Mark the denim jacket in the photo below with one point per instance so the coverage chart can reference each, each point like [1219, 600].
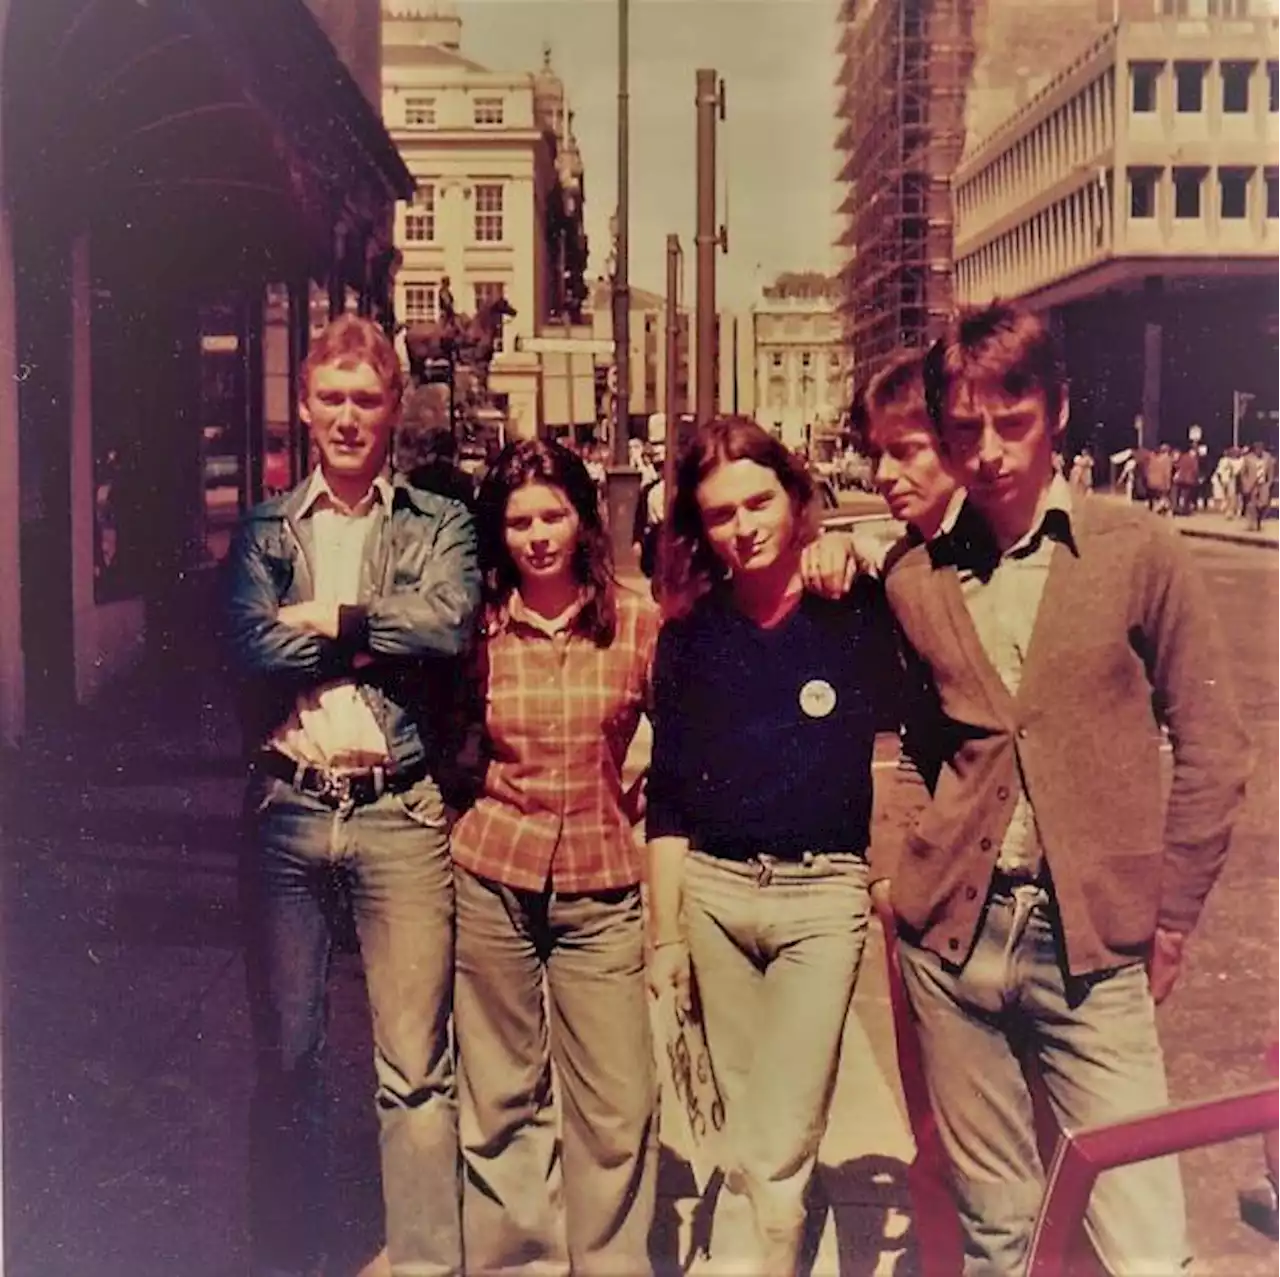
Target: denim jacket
[419, 590]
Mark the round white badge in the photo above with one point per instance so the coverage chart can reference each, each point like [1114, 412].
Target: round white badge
[817, 698]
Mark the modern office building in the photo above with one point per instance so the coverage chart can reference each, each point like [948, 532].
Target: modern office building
[1134, 198]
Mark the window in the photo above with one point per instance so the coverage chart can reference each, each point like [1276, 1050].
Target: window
[1273, 87]
[488, 112]
[1186, 192]
[419, 303]
[420, 219]
[490, 291]
[1235, 88]
[488, 213]
[1190, 81]
[420, 113]
[1146, 80]
[806, 359]
[1142, 193]
[777, 361]
[1235, 193]
[1273, 194]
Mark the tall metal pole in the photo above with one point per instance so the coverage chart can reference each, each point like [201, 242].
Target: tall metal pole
[673, 405]
[621, 275]
[623, 480]
[705, 241]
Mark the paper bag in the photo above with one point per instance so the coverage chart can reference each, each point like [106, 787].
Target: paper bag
[692, 1111]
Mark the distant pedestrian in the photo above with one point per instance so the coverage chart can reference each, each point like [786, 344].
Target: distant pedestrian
[1186, 481]
[1257, 476]
[343, 593]
[650, 511]
[1223, 484]
[1043, 908]
[1082, 472]
[550, 927]
[766, 705]
[1159, 479]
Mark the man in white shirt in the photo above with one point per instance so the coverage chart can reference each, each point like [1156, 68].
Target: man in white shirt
[346, 597]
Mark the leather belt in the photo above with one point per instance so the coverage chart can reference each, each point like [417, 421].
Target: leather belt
[338, 788]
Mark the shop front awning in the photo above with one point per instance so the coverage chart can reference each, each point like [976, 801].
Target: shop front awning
[204, 138]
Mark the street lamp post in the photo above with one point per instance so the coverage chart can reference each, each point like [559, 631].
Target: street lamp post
[623, 481]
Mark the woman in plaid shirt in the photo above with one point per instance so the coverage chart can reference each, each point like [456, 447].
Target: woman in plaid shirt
[550, 943]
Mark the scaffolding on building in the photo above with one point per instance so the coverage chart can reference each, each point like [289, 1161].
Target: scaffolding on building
[903, 82]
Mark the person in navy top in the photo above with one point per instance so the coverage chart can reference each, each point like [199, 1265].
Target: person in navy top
[766, 704]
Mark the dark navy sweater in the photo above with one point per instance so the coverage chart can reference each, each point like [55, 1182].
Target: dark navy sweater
[763, 737]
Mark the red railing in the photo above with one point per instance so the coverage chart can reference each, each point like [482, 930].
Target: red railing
[1083, 1155]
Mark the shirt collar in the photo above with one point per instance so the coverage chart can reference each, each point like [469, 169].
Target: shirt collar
[318, 491]
[1052, 519]
[514, 612]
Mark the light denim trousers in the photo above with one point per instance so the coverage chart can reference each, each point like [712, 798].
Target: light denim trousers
[775, 947]
[392, 855]
[546, 977]
[1097, 1050]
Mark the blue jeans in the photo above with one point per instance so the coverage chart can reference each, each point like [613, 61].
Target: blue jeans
[775, 948]
[1096, 1046]
[544, 977]
[392, 855]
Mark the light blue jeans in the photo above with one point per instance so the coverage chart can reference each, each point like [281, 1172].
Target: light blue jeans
[775, 948]
[1096, 1046]
[393, 857]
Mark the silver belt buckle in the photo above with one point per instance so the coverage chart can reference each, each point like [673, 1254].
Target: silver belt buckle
[764, 869]
[337, 787]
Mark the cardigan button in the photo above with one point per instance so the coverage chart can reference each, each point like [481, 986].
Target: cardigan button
[1002, 793]
[1023, 733]
[953, 944]
[985, 844]
[971, 893]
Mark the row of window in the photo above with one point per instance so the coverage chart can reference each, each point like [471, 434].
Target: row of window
[1057, 239]
[487, 227]
[1189, 192]
[807, 360]
[1066, 235]
[1210, 9]
[486, 113]
[1075, 133]
[1189, 80]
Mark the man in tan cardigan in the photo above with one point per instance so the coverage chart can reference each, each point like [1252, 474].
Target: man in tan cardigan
[1045, 894]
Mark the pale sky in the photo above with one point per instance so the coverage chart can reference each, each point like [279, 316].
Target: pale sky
[776, 148]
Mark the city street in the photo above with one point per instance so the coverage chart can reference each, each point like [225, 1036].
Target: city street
[127, 1060]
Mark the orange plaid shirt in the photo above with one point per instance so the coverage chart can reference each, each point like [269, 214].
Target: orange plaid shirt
[559, 717]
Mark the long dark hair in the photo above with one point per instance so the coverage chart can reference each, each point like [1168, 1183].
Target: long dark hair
[540, 461]
[690, 566]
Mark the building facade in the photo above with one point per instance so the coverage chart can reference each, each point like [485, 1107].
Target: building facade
[1134, 198]
[800, 361]
[499, 202]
